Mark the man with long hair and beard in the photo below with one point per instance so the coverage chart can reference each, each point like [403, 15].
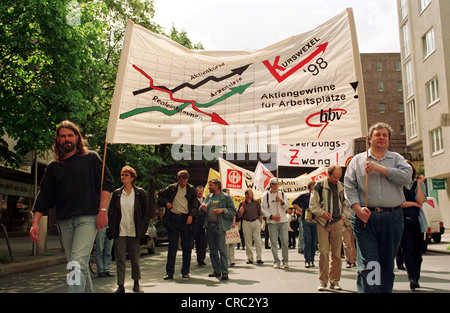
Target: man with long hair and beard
[72, 183]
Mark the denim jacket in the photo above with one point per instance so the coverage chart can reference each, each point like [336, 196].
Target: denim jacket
[226, 203]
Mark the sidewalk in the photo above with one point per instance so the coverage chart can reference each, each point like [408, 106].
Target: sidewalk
[24, 260]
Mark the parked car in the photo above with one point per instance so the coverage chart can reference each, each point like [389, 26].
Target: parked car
[435, 222]
[151, 238]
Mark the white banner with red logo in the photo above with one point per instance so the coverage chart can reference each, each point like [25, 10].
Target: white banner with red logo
[238, 179]
[316, 153]
[306, 87]
[262, 176]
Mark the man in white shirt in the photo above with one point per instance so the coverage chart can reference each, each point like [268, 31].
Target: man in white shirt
[274, 206]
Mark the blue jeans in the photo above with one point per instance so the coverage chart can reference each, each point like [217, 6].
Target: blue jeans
[301, 239]
[103, 248]
[279, 230]
[78, 235]
[217, 248]
[378, 241]
[310, 236]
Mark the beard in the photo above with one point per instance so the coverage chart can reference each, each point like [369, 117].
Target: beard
[67, 147]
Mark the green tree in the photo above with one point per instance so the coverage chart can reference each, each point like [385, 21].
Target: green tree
[59, 60]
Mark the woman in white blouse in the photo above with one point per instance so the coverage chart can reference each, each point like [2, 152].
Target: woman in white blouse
[128, 219]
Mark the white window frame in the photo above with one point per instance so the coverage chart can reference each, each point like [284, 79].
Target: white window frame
[403, 9]
[409, 80]
[436, 141]
[406, 48]
[432, 91]
[428, 43]
[411, 119]
[423, 4]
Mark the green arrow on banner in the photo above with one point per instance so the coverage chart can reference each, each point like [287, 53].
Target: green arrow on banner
[234, 90]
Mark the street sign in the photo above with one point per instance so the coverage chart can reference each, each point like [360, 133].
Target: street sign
[438, 183]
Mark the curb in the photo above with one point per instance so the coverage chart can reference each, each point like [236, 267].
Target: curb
[8, 269]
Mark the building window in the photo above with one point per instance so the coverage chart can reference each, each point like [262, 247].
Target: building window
[401, 107]
[428, 43]
[380, 86]
[398, 66]
[399, 86]
[379, 66]
[411, 120]
[403, 9]
[432, 91]
[423, 4]
[409, 83]
[406, 44]
[436, 141]
[402, 129]
[382, 108]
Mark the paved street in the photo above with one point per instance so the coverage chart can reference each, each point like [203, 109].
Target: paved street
[244, 278]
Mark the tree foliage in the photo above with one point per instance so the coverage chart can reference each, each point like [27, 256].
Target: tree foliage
[59, 60]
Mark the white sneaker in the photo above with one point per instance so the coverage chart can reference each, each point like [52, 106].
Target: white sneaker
[276, 265]
[322, 287]
[335, 286]
[285, 265]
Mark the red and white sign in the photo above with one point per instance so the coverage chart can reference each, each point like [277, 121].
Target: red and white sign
[234, 179]
[316, 153]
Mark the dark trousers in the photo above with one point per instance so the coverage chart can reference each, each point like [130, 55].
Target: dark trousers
[200, 244]
[411, 245]
[179, 229]
[120, 251]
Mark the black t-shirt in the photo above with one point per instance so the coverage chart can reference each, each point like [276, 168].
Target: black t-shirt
[73, 186]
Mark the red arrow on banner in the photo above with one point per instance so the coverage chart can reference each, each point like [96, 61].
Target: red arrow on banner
[274, 67]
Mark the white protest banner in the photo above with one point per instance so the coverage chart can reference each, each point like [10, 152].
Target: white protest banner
[238, 179]
[309, 84]
[316, 153]
[262, 176]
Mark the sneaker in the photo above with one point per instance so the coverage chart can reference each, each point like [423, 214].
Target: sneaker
[349, 265]
[322, 287]
[335, 286]
[224, 276]
[168, 276]
[307, 265]
[276, 265]
[312, 264]
[285, 265]
[260, 262]
[249, 262]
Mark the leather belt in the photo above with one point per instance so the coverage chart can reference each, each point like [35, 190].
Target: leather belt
[177, 214]
[383, 209]
[250, 220]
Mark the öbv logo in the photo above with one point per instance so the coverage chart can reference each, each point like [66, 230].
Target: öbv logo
[325, 117]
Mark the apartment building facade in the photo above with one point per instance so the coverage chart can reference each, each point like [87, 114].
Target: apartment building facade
[424, 30]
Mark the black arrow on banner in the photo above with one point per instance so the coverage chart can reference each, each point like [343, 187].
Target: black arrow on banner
[236, 71]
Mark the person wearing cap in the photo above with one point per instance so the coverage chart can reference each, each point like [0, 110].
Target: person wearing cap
[274, 205]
